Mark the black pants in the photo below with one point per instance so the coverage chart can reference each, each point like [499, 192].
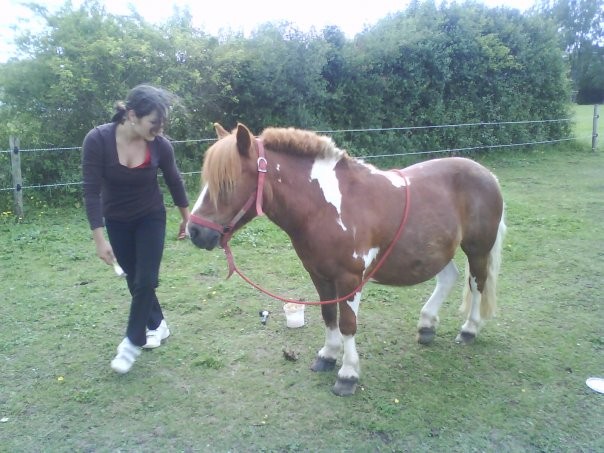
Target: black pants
[138, 246]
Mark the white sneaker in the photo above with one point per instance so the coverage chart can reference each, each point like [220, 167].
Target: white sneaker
[155, 337]
[127, 352]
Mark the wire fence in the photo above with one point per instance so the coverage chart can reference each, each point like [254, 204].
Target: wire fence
[411, 129]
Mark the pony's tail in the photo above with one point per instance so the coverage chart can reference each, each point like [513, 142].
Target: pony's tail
[488, 301]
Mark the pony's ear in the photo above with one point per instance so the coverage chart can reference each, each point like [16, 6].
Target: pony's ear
[244, 139]
[220, 131]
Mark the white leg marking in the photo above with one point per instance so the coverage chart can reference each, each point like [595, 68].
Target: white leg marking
[333, 344]
[350, 361]
[473, 323]
[323, 171]
[445, 280]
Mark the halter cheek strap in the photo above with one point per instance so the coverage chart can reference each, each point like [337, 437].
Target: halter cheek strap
[262, 165]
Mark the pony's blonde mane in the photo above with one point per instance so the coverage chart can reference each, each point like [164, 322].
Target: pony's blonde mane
[222, 166]
[298, 141]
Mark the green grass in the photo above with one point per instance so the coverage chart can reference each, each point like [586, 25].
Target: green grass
[221, 382]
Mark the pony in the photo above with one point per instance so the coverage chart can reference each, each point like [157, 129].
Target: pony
[350, 222]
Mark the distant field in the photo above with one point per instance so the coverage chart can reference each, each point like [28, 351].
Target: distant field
[584, 122]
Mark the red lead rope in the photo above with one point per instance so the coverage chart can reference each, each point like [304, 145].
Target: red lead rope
[233, 267]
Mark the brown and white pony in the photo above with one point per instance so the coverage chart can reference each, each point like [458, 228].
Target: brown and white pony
[348, 221]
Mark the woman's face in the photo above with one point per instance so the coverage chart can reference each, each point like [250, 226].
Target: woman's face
[149, 126]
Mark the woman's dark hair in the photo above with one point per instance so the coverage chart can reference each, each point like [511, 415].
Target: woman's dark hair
[143, 100]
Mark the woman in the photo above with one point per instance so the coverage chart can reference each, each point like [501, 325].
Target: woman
[120, 163]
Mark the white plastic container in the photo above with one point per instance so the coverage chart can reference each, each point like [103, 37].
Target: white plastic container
[294, 314]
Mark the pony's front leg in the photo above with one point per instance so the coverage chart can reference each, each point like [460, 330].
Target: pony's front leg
[329, 353]
[348, 375]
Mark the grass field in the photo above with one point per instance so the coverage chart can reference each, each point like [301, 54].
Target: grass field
[221, 382]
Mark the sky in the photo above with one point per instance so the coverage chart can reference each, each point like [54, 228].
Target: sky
[237, 15]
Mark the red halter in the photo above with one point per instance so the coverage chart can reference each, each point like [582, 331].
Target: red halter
[226, 231]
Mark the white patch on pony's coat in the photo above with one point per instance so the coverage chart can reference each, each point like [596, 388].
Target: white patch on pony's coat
[197, 204]
[323, 170]
[367, 258]
[354, 303]
[278, 169]
[394, 177]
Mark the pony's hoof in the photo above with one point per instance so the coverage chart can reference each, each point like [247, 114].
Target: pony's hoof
[323, 364]
[465, 338]
[425, 335]
[345, 387]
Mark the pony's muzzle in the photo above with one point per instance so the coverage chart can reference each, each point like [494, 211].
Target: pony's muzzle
[202, 237]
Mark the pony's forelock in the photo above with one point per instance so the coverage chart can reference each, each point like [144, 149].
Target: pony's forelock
[221, 168]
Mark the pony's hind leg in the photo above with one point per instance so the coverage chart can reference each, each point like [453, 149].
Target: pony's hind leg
[428, 317]
[480, 289]
[472, 301]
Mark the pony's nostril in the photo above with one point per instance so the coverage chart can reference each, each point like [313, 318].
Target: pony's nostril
[193, 232]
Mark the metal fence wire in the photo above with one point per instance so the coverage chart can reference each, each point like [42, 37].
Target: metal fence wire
[178, 144]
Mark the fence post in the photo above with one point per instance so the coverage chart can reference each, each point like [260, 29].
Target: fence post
[15, 159]
[594, 133]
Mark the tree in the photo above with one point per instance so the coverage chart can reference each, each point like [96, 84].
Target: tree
[581, 27]
[452, 64]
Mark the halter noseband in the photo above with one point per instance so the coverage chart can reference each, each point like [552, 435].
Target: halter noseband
[226, 231]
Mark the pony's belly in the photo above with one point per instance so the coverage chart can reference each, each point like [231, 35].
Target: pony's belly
[407, 276]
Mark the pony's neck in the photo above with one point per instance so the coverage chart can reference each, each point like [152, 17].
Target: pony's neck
[288, 200]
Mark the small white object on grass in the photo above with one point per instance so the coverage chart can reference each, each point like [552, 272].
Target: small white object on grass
[118, 270]
[596, 384]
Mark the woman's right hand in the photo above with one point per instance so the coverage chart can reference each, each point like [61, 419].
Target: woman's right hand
[105, 252]
[103, 247]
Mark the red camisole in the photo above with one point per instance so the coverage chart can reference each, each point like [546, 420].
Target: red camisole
[147, 160]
